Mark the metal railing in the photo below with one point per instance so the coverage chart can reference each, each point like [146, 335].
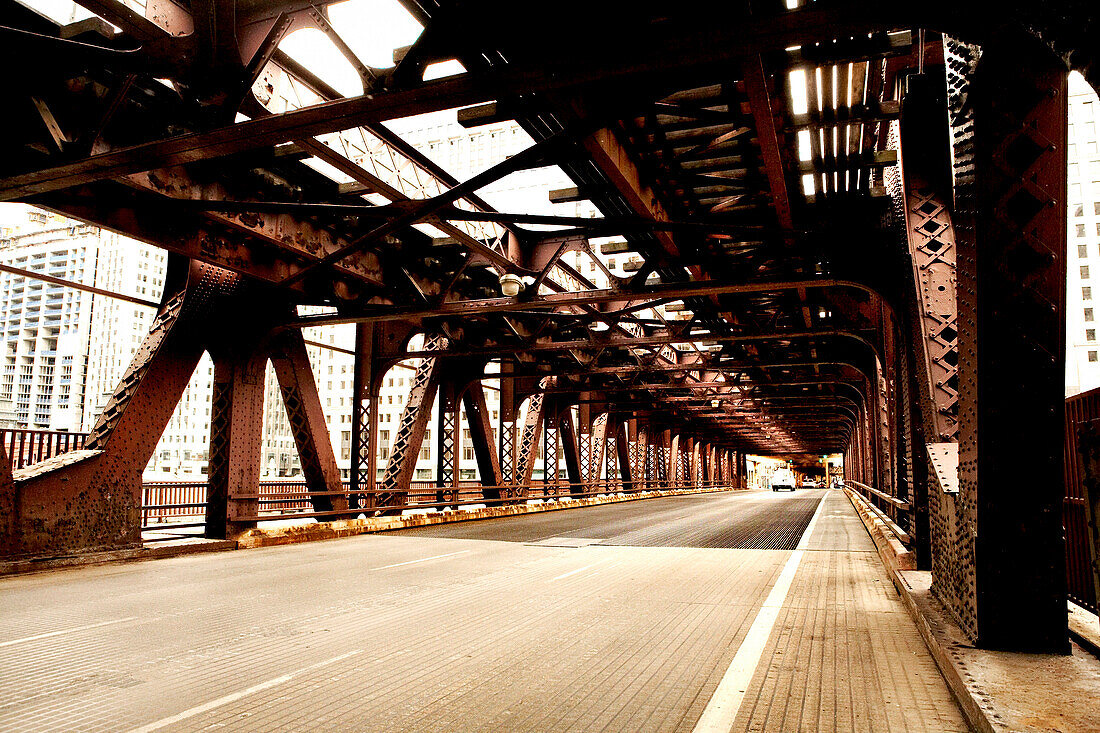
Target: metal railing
[1081, 411]
[888, 508]
[167, 505]
[27, 447]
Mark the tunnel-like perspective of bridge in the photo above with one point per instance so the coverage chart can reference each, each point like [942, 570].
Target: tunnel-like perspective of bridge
[845, 233]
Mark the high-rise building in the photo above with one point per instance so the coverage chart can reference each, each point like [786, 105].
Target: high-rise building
[1083, 256]
[53, 371]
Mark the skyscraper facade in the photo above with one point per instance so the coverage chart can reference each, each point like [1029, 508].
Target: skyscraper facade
[1083, 257]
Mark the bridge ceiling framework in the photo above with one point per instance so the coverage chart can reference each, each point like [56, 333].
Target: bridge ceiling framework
[808, 274]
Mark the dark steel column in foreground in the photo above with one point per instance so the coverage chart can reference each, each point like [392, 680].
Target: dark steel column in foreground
[1012, 281]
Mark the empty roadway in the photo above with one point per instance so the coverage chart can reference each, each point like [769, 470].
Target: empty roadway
[665, 614]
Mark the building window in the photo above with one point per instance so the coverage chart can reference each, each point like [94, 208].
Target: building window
[1080, 230]
[1092, 356]
[1082, 250]
[1090, 334]
[1086, 293]
[1088, 314]
[1084, 272]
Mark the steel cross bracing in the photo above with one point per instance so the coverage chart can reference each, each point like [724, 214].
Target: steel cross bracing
[776, 180]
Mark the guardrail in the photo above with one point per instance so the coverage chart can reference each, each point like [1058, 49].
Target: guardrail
[165, 502]
[894, 505]
[27, 447]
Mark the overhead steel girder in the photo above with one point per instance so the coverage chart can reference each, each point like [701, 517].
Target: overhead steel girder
[650, 341]
[755, 36]
[626, 298]
[269, 252]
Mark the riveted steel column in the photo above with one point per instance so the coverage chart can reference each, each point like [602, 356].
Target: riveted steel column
[623, 451]
[366, 386]
[568, 435]
[448, 441]
[528, 439]
[1010, 142]
[393, 491]
[236, 440]
[481, 435]
[550, 445]
[307, 421]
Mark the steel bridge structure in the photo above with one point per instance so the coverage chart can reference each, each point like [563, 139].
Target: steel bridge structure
[873, 265]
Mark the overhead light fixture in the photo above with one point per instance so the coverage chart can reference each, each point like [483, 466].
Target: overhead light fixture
[510, 284]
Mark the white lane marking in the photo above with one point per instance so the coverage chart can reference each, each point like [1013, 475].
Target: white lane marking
[579, 570]
[67, 631]
[423, 559]
[233, 697]
[722, 709]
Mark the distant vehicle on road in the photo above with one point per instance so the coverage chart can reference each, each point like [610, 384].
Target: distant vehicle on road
[809, 483]
[783, 478]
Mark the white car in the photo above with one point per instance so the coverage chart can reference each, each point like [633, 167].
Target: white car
[783, 478]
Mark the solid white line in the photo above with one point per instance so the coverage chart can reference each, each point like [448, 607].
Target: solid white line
[68, 631]
[722, 709]
[423, 559]
[205, 707]
[578, 570]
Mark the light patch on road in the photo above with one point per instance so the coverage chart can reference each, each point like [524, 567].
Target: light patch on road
[67, 631]
[233, 697]
[578, 570]
[722, 709]
[423, 559]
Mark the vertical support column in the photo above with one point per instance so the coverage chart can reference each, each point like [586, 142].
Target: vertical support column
[364, 431]
[624, 452]
[1011, 312]
[550, 455]
[584, 437]
[920, 187]
[611, 455]
[599, 444]
[393, 492]
[663, 455]
[888, 427]
[675, 473]
[307, 421]
[568, 437]
[507, 423]
[481, 435]
[236, 438]
[688, 451]
[449, 439]
[637, 477]
[528, 439]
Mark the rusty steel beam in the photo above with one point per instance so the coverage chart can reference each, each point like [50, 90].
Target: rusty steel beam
[642, 341]
[307, 421]
[567, 434]
[394, 487]
[656, 293]
[1010, 140]
[481, 435]
[528, 437]
[742, 40]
